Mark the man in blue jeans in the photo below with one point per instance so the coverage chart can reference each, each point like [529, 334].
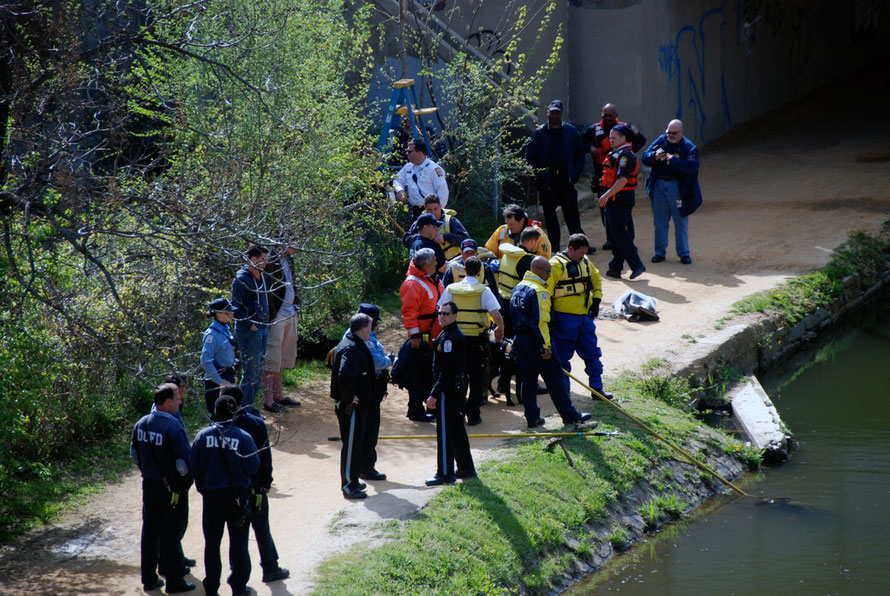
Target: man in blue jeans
[250, 298]
[672, 186]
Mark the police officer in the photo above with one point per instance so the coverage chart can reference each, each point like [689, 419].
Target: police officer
[218, 351]
[620, 177]
[515, 221]
[475, 304]
[577, 290]
[182, 509]
[419, 294]
[530, 309]
[382, 362]
[160, 447]
[446, 399]
[556, 153]
[418, 178]
[450, 233]
[352, 389]
[224, 459]
[260, 483]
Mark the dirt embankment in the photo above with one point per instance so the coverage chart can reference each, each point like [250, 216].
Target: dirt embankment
[778, 198]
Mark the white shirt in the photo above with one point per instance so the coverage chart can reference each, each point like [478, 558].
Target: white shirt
[489, 302]
[420, 181]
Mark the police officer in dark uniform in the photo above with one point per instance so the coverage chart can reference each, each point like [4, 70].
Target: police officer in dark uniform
[352, 389]
[160, 447]
[224, 459]
[382, 362]
[447, 400]
[260, 484]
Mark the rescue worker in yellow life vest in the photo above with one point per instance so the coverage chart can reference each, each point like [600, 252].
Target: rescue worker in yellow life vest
[457, 268]
[475, 303]
[451, 231]
[530, 310]
[576, 290]
[515, 261]
[515, 221]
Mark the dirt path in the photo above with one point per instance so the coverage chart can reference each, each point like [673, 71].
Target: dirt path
[778, 199]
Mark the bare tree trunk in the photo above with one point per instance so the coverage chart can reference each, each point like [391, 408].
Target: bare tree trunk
[403, 54]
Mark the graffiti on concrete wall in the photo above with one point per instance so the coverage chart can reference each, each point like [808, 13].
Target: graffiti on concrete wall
[684, 61]
[695, 59]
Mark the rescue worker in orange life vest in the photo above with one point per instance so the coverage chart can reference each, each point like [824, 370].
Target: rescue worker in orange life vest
[475, 303]
[451, 231]
[620, 176]
[419, 294]
[576, 290]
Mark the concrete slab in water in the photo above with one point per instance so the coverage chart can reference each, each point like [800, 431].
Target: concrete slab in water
[755, 414]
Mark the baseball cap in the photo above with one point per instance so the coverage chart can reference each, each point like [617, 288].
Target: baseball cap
[371, 310]
[556, 104]
[427, 219]
[469, 244]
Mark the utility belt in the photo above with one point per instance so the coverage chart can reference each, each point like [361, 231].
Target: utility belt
[227, 370]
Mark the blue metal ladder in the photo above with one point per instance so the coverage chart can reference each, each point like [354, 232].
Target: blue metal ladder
[404, 101]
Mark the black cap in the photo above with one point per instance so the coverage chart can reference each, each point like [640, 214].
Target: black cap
[369, 309]
[427, 219]
[556, 105]
[625, 130]
[469, 244]
[221, 305]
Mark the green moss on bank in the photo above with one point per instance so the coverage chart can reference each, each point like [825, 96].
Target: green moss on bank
[511, 526]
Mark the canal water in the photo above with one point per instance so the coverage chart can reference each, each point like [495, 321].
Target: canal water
[834, 537]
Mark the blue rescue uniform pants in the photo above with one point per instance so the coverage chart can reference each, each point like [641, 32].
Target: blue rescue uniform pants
[530, 363]
[577, 333]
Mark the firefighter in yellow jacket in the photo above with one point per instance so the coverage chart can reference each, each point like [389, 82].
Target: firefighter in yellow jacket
[475, 303]
[576, 289]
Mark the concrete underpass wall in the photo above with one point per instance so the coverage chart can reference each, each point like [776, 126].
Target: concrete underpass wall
[713, 64]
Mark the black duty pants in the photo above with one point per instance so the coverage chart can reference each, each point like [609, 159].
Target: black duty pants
[421, 380]
[477, 359]
[220, 512]
[620, 220]
[561, 193]
[263, 534]
[372, 423]
[352, 435]
[452, 443]
[160, 546]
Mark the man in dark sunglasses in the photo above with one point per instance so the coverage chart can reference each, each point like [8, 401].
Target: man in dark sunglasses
[418, 178]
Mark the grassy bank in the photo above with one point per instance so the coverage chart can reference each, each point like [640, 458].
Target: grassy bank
[527, 519]
[862, 254]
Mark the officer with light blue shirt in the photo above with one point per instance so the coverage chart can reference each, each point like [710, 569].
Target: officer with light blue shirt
[218, 351]
[382, 362]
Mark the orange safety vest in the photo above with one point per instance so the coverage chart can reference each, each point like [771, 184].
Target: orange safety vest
[610, 169]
